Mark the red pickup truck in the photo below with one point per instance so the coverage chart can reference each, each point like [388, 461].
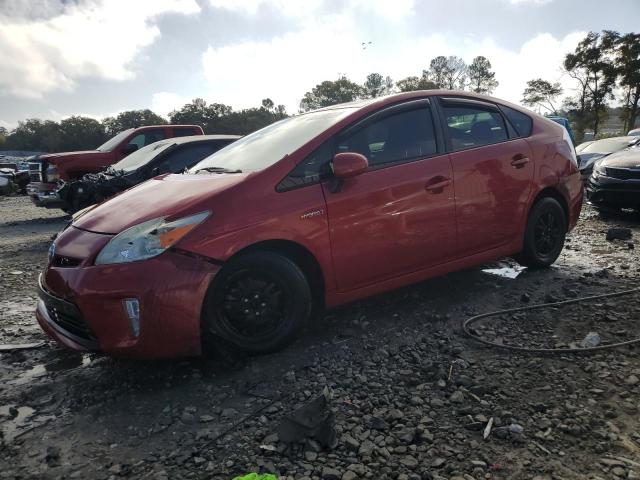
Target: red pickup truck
[46, 170]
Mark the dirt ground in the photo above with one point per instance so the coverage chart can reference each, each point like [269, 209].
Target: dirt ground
[411, 395]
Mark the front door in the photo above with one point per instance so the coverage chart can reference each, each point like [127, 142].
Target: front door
[398, 217]
[493, 172]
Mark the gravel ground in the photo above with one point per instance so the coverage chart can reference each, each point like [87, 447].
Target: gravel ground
[411, 396]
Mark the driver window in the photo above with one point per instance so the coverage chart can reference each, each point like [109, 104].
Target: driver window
[398, 138]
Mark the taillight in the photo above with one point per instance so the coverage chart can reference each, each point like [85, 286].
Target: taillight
[572, 151]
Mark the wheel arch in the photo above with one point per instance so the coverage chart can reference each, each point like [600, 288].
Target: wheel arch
[297, 253]
[556, 195]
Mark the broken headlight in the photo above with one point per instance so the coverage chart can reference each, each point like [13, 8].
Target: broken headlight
[148, 239]
[599, 169]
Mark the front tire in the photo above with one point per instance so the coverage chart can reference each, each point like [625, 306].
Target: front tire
[258, 302]
[544, 235]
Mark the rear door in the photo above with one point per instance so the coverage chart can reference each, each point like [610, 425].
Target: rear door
[399, 216]
[492, 170]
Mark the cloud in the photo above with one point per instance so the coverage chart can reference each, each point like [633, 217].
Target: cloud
[84, 39]
[535, 2]
[163, 103]
[309, 8]
[287, 66]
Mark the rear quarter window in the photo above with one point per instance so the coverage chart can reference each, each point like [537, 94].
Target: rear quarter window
[521, 122]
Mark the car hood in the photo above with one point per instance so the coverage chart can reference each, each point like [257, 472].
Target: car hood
[171, 196]
[58, 157]
[626, 159]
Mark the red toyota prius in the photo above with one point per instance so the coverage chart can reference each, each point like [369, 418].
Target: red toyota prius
[320, 209]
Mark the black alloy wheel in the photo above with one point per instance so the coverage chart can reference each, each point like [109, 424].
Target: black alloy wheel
[544, 234]
[258, 302]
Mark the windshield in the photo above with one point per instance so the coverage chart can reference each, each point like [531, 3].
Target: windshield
[143, 156]
[109, 145]
[269, 144]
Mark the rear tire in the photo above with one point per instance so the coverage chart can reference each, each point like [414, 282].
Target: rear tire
[258, 302]
[544, 235]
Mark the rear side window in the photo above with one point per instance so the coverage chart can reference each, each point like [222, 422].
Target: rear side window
[398, 138]
[147, 138]
[521, 122]
[473, 126]
[187, 156]
[184, 132]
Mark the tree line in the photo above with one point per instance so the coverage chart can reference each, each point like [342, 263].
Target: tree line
[85, 133]
[444, 72]
[604, 66]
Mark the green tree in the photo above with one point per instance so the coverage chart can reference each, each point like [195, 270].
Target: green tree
[411, 84]
[376, 85]
[3, 136]
[81, 133]
[331, 92]
[592, 60]
[35, 134]
[131, 119]
[448, 72]
[627, 64]
[216, 118]
[481, 78]
[198, 112]
[541, 93]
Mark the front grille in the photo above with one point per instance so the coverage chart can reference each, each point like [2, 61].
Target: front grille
[73, 324]
[35, 171]
[623, 173]
[65, 262]
[66, 316]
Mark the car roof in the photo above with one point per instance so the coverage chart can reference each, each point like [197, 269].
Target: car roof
[201, 138]
[372, 104]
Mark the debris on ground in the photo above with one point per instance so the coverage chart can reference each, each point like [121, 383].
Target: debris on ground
[619, 234]
[21, 346]
[314, 421]
[411, 398]
[592, 339]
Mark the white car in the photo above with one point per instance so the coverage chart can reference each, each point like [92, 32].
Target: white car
[635, 132]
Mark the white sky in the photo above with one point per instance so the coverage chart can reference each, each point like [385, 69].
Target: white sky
[99, 57]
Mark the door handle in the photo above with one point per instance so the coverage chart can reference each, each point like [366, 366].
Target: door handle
[519, 160]
[437, 184]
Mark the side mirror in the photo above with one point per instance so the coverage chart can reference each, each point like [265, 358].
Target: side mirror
[349, 164]
[129, 148]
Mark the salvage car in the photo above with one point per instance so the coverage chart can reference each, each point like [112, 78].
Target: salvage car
[590, 152]
[46, 170]
[316, 210]
[166, 156]
[17, 178]
[615, 181]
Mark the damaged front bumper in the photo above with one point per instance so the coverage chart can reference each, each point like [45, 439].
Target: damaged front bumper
[45, 195]
[148, 309]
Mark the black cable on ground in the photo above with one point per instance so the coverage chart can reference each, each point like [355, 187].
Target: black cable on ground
[470, 321]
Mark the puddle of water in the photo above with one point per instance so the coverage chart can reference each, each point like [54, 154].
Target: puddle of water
[64, 363]
[505, 272]
[11, 426]
[15, 420]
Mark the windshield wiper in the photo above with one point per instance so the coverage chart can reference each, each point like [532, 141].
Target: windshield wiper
[218, 170]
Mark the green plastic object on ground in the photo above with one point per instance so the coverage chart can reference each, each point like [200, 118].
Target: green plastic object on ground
[257, 476]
